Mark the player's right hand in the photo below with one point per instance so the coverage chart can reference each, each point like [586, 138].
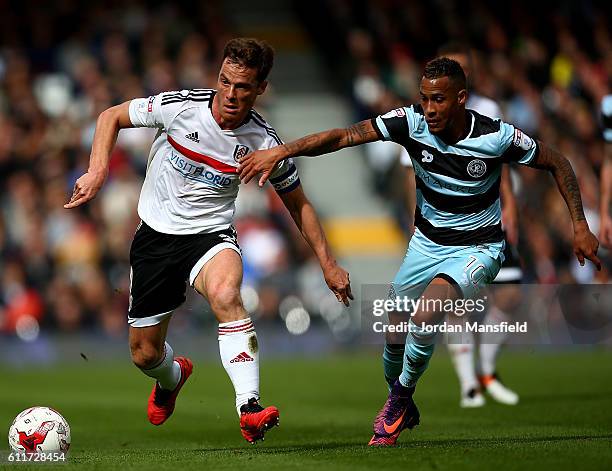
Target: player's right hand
[86, 187]
[260, 161]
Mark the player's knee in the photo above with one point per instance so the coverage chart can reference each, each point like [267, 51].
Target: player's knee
[145, 355]
[225, 301]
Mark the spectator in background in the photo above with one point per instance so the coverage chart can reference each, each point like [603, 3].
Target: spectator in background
[62, 63]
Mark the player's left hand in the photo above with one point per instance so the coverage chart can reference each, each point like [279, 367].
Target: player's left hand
[339, 283]
[260, 161]
[586, 245]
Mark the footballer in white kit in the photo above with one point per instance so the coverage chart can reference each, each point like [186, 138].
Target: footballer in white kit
[190, 188]
[187, 205]
[191, 182]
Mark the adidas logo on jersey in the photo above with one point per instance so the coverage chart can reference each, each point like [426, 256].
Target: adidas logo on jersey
[193, 136]
[241, 358]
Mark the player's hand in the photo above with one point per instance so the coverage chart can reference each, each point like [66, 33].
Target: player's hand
[86, 187]
[605, 231]
[260, 161]
[586, 245]
[339, 283]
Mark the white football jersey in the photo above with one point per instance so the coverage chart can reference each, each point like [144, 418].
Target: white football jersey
[191, 182]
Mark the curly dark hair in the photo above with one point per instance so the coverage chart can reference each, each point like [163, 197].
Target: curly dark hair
[252, 53]
[445, 67]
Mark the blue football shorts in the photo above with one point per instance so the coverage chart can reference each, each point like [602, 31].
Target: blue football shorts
[469, 267]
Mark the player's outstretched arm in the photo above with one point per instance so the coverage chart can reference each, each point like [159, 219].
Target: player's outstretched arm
[585, 243]
[108, 125]
[307, 221]
[605, 225]
[263, 161]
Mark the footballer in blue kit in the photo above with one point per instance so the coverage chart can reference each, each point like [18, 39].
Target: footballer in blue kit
[458, 244]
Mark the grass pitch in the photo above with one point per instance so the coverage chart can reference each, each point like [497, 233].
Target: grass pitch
[564, 420]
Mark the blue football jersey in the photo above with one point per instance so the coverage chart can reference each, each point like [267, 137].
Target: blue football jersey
[457, 184]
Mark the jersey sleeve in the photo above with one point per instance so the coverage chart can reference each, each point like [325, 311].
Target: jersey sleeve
[157, 111]
[606, 117]
[272, 140]
[515, 145]
[395, 125]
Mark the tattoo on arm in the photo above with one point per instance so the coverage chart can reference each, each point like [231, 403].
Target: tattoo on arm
[561, 169]
[329, 141]
[315, 144]
[360, 133]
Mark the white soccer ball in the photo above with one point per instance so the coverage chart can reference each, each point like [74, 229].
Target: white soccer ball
[39, 429]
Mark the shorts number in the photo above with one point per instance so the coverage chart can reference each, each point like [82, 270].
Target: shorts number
[475, 272]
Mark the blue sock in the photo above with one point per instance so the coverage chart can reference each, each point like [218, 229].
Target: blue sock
[419, 349]
[393, 362]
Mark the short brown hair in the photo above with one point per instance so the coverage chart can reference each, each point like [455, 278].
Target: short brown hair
[252, 53]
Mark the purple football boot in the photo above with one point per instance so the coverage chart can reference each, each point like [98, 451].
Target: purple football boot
[398, 413]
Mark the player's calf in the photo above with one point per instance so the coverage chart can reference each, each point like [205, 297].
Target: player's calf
[146, 356]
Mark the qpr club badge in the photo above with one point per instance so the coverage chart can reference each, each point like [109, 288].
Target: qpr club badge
[240, 151]
[476, 168]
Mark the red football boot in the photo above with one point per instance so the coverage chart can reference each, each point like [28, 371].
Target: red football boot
[255, 421]
[162, 401]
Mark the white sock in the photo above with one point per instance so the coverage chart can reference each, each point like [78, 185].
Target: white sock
[490, 343]
[461, 349]
[167, 372]
[240, 357]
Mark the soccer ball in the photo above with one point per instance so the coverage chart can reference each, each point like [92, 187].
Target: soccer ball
[39, 429]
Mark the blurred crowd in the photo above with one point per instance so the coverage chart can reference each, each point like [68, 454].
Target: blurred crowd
[61, 64]
[547, 66]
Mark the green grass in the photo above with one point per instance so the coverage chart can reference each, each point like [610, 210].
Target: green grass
[564, 420]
